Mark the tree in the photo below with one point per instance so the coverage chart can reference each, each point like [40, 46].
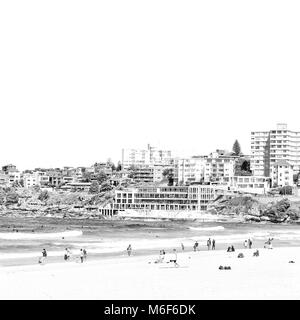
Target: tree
[286, 190]
[236, 148]
[86, 176]
[106, 187]
[12, 197]
[119, 166]
[94, 188]
[169, 174]
[101, 177]
[43, 196]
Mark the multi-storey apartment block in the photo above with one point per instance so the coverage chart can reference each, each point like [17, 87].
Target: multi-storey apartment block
[269, 147]
[282, 174]
[149, 156]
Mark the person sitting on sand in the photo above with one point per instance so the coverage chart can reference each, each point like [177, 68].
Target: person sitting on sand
[256, 253]
[268, 244]
[129, 250]
[161, 257]
[229, 249]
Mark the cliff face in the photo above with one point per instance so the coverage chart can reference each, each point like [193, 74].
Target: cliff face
[251, 209]
[58, 204]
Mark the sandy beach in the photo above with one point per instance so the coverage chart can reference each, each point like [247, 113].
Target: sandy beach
[269, 276]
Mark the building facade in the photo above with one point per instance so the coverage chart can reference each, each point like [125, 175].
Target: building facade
[269, 147]
[171, 198]
[149, 156]
[282, 174]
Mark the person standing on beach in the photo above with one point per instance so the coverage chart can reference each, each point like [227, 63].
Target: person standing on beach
[246, 244]
[84, 254]
[174, 258]
[195, 246]
[81, 255]
[213, 244]
[44, 256]
[182, 247]
[208, 244]
[249, 243]
[129, 250]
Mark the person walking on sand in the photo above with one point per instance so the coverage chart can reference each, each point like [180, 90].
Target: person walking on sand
[129, 250]
[196, 246]
[213, 244]
[208, 244]
[250, 243]
[84, 254]
[43, 257]
[81, 255]
[246, 244]
[174, 258]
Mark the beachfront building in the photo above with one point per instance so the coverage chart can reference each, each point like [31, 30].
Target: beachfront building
[76, 186]
[149, 156]
[171, 198]
[249, 184]
[269, 147]
[282, 174]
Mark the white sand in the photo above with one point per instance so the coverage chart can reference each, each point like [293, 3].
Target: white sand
[268, 276]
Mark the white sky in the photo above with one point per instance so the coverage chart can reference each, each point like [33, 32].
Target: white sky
[79, 80]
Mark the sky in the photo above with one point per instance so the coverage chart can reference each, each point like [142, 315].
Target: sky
[80, 80]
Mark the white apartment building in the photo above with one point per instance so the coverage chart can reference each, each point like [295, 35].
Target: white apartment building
[282, 174]
[31, 179]
[219, 169]
[149, 156]
[269, 147]
[189, 170]
[250, 184]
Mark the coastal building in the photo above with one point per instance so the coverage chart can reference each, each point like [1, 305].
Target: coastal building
[30, 179]
[171, 198]
[189, 170]
[216, 167]
[76, 186]
[282, 174]
[9, 168]
[249, 184]
[148, 173]
[269, 147]
[149, 156]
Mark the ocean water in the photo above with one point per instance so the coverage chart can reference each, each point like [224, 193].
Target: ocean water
[22, 239]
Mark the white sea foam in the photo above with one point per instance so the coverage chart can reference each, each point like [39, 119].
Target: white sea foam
[29, 236]
[218, 228]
